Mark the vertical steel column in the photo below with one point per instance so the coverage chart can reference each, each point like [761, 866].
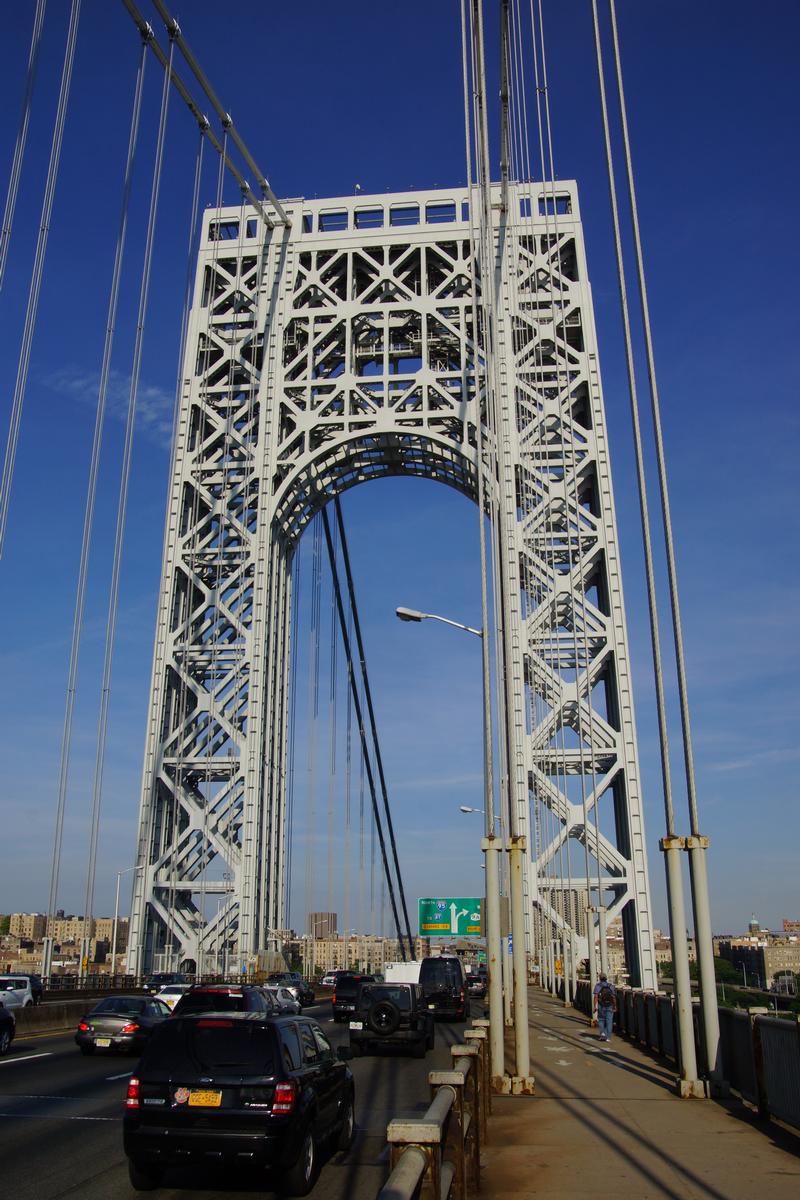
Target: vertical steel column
[688, 1083]
[697, 847]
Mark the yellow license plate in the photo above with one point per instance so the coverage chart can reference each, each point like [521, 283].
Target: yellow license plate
[205, 1099]
[102, 1041]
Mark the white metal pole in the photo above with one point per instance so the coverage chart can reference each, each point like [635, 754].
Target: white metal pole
[602, 919]
[688, 1083]
[705, 964]
[114, 934]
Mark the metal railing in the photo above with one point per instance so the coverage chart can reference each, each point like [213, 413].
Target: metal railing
[438, 1156]
[760, 1054]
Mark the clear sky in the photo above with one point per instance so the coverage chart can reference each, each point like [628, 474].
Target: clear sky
[328, 97]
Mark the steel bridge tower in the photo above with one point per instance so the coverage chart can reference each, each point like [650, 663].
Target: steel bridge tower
[321, 356]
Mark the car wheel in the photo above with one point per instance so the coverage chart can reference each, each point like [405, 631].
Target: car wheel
[28, 1004]
[86, 1048]
[5, 1042]
[299, 1179]
[347, 1130]
[384, 1018]
[143, 1177]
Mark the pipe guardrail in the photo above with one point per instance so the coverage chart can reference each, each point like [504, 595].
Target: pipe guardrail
[437, 1157]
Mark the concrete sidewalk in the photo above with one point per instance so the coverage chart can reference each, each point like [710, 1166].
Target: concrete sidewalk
[605, 1120]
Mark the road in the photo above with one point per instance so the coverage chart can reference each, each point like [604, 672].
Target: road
[61, 1123]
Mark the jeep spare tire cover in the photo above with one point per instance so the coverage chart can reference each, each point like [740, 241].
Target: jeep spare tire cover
[384, 1017]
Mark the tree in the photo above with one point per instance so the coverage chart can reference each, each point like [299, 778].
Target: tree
[5, 925]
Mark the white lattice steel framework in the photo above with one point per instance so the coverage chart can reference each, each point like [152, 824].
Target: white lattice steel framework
[319, 357]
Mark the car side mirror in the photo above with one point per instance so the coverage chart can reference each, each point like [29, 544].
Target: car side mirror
[344, 1053]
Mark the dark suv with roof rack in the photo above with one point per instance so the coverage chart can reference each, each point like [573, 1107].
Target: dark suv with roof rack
[343, 997]
[239, 1089]
[225, 997]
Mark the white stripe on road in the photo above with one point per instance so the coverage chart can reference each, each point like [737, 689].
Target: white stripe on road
[7, 1062]
[124, 1075]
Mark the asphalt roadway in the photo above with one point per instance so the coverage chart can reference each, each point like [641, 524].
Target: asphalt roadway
[61, 1122]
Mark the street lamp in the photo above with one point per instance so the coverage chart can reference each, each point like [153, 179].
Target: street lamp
[116, 918]
[491, 846]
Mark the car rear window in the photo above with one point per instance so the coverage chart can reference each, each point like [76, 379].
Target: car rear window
[210, 1002]
[121, 1005]
[439, 973]
[371, 993]
[208, 1044]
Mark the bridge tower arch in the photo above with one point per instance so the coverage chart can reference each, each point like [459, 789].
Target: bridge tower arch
[318, 357]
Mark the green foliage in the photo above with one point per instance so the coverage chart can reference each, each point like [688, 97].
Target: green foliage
[5, 925]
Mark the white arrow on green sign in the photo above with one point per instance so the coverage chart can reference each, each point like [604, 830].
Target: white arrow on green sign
[450, 916]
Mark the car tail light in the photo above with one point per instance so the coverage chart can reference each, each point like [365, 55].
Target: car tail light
[212, 1024]
[132, 1099]
[333, 998]
[83, 1027]
[131, 1027]
[284, 1098]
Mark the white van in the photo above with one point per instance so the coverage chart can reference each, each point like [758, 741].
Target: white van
[401, 972]
[15, 991]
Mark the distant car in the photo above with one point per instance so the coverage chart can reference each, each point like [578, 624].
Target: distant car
[172, 993]
[37, 987]
[343, 1000]
[225, 998]
[387, 1014]
[16, 991]
[241, 1089]
[120, 1023]
[162, 978]
[444, 986]
[330, 980]
[285, 1001]
[301, 991]
[476, 985]
[8, 1027]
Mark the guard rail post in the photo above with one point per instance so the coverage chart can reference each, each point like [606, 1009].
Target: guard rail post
[415, 1148]
[479, 1038]
[465, 1144]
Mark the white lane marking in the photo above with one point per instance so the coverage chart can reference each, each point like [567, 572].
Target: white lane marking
[562, 1062]
[124, 1075]
[7, 1062]
[554, 1049]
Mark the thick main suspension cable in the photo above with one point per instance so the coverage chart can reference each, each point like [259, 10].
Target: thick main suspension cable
[371, 712]
[360, 718]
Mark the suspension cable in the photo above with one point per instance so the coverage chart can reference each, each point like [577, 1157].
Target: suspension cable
[22, 137]
[38, 270]
[655, 640]
[672, 571]
[91, 492]
[359, 716]
[113, 602]
[353, 608]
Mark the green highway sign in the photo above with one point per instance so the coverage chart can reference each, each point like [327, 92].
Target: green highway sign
[450, 916]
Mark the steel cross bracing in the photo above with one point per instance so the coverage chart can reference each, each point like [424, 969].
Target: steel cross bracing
[319, 357]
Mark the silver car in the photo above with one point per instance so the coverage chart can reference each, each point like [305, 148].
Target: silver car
[283, 998]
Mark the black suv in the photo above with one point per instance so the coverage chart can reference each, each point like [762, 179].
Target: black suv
[237, 1089]
[343, 997]
[224, 997]
[391, 1014]
[444, 986]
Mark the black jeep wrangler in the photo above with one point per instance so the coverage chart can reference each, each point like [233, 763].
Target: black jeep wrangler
[388, 1014]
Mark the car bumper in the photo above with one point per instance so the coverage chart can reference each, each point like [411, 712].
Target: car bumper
[166, 1145]
[360, 1037]
[129, 1042]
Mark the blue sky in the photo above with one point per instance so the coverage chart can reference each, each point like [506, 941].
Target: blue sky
[371, 94]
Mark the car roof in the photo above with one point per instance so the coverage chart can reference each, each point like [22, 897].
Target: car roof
[238, 1018]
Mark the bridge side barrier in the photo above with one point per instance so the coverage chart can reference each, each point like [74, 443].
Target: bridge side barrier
[738, 1053]
[666, 1025]
[651, 1012]
[777, 1054]
[438, 1156]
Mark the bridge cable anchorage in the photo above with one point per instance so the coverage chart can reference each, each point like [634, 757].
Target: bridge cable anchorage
[32, 307]
[22, 138]
[362, 658]
[674, 880]
[202, 120]
[91, 492]
[119, 536]
[225, 118]
[359, 717]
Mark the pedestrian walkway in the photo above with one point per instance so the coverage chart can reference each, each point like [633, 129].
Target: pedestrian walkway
[605, 1121]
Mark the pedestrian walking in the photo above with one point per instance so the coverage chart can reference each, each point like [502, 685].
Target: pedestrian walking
[604, 1005]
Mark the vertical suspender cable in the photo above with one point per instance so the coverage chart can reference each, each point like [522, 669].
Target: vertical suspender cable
[22, 137]
[371, 713]
[91, 493]
[113, 601]
[38, 271]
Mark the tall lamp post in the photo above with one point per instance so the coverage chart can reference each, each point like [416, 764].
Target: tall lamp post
[492, 847]
[116, 918]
